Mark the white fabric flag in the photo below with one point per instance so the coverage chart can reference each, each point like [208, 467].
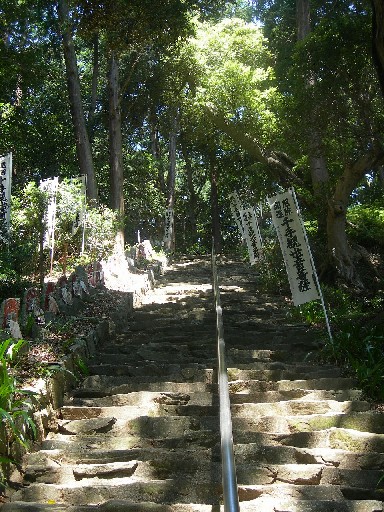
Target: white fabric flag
[168, 232]
[50, 186]
[296, 253]
[236, 208]
[251, 234]
[246, 221]
[5, 191]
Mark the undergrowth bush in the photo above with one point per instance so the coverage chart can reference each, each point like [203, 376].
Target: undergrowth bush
[357, 345]
[366, 225]
[271, 269]
[15, 405]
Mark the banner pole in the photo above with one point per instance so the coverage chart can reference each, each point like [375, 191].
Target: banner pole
[292, 190]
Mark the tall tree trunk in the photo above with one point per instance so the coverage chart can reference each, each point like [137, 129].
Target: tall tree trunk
[340, 253]
[191, 192]
[116, 148]
[171, 178]
[83, 147]
[215, 211]
[378, 39]
[318, 166]
[155, 150]
[95, 79]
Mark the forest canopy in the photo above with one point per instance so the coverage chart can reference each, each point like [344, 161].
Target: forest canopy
[177, 104]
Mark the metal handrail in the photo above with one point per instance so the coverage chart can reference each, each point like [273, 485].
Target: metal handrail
[229, 480]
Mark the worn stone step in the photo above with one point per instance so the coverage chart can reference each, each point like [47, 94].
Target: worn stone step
[361, 421]
[143, 398]
[169, 491]
[296, 407]
[147, 426]
[203, 444]
[90, 398]
[102, 385]
[275, 454]
[146, 356]
[292, 373]
[154, 370]
[202, 470]
[108, 506]
[99, 491]
[297, 394]
[180, 405]
[323, 383]
[98, 450]
[275, 504]
[247, 355]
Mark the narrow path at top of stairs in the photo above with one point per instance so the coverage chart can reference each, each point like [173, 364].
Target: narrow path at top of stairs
[141, 433]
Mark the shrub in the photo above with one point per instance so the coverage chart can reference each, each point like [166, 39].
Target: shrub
[15, 404]
[366, 225]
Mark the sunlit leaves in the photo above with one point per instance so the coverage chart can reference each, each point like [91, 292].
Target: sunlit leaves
[237, 75]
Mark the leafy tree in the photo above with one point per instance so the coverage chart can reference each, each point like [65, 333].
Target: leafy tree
[260, 115]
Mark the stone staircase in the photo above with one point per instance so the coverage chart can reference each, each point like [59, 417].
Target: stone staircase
[142, 433]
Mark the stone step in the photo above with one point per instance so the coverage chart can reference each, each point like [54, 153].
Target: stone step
[358, 449]
[202, 470]
[147, 426]
[118, 385]
[181, 490]
[323, 383]
[293, 455]
[100, 399]
[178, 405]
[98, 491]
[154, 370]
[273, 504]
[143, 398]
[361, 421]
[109, 506]
[289, 373]
[179, 371]
[176, 424]
[146, 356]
[93, 448]
[102, 385]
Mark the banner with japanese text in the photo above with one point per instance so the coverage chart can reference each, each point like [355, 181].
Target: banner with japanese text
[50, 186]
[5, 193]
[236, 208]
[168, 231]
[294, 246]
[251, 234]
[248, 226]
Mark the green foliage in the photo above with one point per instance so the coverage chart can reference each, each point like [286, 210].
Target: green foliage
[15, 403]
[81, 366]
[356, 344]
[366, 225]
[271, 269]
[360, 350]
[100, 233]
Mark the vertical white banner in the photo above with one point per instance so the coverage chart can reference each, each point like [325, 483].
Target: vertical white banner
[248, 226]
[236, 208]
[50, 186]
[168, 230]
[252, 234]
[296, 253]
[5, 192]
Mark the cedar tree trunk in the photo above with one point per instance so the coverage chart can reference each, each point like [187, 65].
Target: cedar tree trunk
[115, 148]
[83, 146]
